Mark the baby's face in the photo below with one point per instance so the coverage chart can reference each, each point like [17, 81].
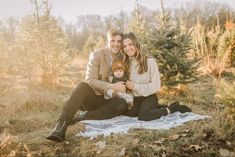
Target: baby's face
[118, 73]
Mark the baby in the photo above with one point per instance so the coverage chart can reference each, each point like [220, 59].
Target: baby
[119, 74]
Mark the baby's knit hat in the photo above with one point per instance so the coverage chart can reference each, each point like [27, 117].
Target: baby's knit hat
[118, 64]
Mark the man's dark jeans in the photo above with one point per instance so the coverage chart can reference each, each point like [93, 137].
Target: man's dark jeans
[84, 98]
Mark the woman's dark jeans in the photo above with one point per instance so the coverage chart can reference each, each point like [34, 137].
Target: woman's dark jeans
[147, 108]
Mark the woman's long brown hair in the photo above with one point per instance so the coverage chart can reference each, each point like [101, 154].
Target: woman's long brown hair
[139, 55]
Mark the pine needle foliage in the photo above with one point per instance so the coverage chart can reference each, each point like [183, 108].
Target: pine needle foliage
[139, 26]
[226, 42]
[171, 46]
[42, 48]
[226, 96]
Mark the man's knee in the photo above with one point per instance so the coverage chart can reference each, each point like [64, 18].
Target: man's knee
[83, 87]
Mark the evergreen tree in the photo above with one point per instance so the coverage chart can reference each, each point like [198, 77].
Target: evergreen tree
[93, 43]
[89, 45]
[227, 43]
[8, 30]
[226, 95]
[3, 56]
[170, 46]
[100, 42]
[43, 48]
[139, 26]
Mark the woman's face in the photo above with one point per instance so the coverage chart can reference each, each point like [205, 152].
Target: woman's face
[128, 47]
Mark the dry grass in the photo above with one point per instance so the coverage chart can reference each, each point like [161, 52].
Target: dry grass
[29, 100]
[215, 67]
[30, 113]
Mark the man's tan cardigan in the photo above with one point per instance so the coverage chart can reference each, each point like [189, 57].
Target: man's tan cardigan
[98, 70]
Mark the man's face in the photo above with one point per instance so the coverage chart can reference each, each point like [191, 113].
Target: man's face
[114, 43]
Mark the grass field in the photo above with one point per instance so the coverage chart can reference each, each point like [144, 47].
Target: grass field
[28, 113]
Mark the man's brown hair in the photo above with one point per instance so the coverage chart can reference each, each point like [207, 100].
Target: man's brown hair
[114, 32]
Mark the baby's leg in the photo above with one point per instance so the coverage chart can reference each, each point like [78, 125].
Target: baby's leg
[112, 94]
[129, 99]
[109, 93]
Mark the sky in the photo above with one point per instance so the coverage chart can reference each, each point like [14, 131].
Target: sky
[70, 9]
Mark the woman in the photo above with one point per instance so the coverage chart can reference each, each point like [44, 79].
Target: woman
[144, 81]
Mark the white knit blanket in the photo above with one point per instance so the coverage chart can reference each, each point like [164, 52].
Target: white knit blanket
[123, 124]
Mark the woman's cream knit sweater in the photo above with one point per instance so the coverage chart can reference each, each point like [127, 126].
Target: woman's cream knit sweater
[147, 83]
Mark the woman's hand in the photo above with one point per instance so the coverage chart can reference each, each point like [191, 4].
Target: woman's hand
[118, 87]
[130, 85]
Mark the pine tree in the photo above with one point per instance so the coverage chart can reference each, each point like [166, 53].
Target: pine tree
[89, 45]
[3, 56]
[227, 43]
[43, 48]
[226, 96]
[170, 46]
[93, 42]
[139, 26]
[100, 42]
[8, 29]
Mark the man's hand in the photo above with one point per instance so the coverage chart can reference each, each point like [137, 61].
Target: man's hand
[118, 87]
[130, 85]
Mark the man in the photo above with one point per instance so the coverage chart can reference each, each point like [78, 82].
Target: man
[89, 95]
